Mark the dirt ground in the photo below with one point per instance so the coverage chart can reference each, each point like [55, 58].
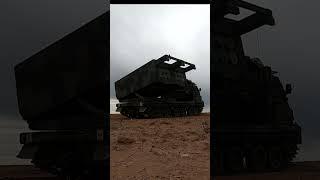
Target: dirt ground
[163, 148]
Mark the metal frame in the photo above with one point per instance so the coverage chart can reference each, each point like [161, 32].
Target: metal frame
[176, 65]
[260, 17]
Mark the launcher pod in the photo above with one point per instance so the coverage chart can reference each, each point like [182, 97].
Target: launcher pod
[62, 95]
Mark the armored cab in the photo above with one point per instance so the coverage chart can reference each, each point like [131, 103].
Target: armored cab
[62, 93]
[159, 89]
[253, 124]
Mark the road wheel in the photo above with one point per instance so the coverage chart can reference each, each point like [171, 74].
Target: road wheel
[257, 159]
[275, 158]
[151, 113]
[176, 112]
[218, 163]
[234, 159]
[198, 111]
[182, 112]
[291, 152]
[166, 113]
[191, 111]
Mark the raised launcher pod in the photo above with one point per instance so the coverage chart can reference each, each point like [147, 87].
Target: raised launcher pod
[64, 86]
[159, 89]
[253, 124]
[62, 93]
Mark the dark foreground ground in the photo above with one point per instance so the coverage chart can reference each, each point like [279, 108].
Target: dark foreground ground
[298, 171]
[23, 172]
[309, 170]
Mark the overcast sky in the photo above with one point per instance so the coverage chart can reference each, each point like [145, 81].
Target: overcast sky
[140, 33]
[26, 28]
[29, 26]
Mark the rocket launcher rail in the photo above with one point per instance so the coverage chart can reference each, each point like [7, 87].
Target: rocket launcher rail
[64, 86]
[176, 66]
[260, 17]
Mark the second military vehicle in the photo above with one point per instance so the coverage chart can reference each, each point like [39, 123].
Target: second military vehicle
[253, 124]
[159, 89]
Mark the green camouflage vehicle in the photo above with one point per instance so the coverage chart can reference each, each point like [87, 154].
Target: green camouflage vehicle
[159, 89]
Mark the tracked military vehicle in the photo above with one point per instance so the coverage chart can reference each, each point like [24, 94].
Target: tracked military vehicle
[159, 89]
[62, 94]
[253, 124]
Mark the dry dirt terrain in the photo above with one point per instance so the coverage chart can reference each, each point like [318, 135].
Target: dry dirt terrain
[163, 148]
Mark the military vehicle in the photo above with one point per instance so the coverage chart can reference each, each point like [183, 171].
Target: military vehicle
[253, 124]
[159, 89]
[62, 94]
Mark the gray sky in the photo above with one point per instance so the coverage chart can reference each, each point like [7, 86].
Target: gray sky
[140, 33]
[29, 26]
[292, 48]
[26, 28]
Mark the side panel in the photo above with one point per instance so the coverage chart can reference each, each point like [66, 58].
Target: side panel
[148, 79]
[72, 70]
[136, 80]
